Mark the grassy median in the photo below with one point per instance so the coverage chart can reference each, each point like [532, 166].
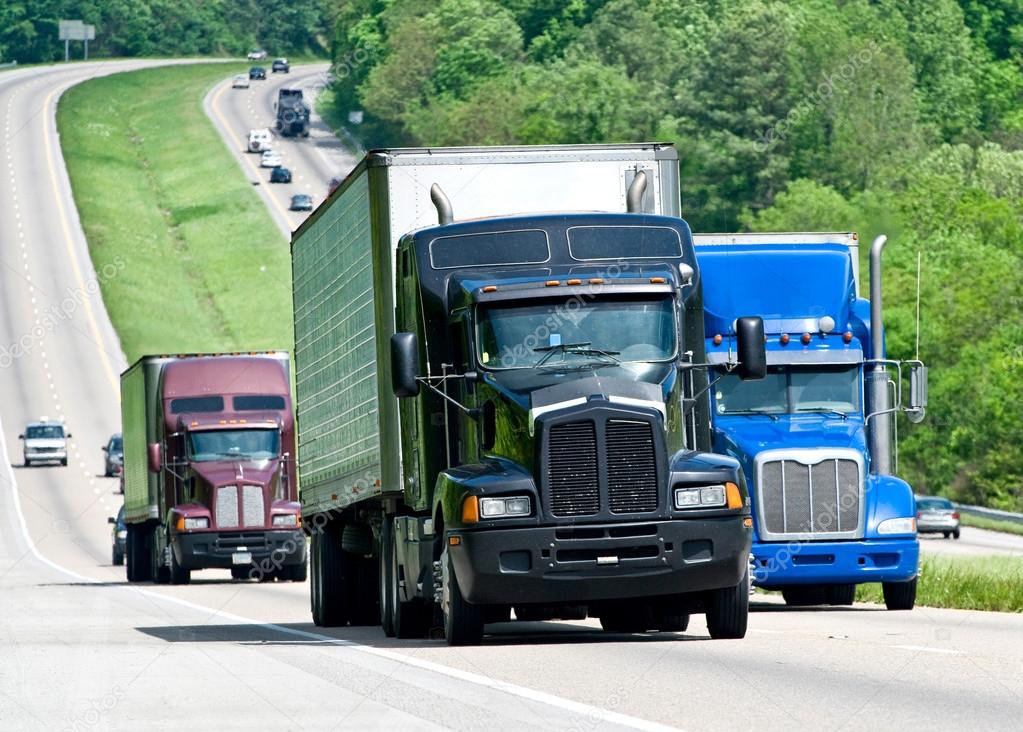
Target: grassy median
[981, 522]
[967, 583]
[200, 265]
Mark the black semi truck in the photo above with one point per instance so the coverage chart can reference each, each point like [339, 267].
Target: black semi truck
[507, 412]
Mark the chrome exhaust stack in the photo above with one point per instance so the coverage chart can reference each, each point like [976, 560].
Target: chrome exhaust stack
[879, 401]
[445, 214]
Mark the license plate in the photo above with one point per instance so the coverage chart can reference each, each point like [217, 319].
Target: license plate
[241, 558]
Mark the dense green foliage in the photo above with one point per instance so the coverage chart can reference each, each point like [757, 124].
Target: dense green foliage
[895, 116]
[966, 583]
[147, 170]
[28, 28]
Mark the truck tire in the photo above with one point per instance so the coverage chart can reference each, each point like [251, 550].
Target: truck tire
[140, 568]
[463, 621]
[160, 573]
[408, 619]
[840, 594]
[955, 534]
[295, 572]
[336, 586]
[668, 618]
[240, 573]
[385, 563]
[728, 610]
[177, 574]
[314, 581]
[899, 595]
[804, 595]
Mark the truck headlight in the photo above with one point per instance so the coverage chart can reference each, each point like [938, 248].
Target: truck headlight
[188, 524]
[501, 507]
[711, 496]
[897, 526]
[285, 519]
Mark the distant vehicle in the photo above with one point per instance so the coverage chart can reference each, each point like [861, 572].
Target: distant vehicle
[241, 81]
[334, 183]
[44, 441]
[257, 54]
[936, 515]
[280, 174]
[282, 65]
[271, 159]
[257, 73]
[114, 458]
[301, 202]
[260, 140]
[210, 480]
[118, 536]
[292, 113]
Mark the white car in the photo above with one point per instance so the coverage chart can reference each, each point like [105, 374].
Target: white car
[260, 140]
[271, 159]
[240, 82]
[257, 54]
[44, 441]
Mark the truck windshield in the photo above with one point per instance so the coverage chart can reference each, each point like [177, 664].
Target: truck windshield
[790, 390]
[576, 332]
[246, 444]
[45, 432]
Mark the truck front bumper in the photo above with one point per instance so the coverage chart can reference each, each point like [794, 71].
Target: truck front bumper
[219, 549]
[836, 562]
[589, 563]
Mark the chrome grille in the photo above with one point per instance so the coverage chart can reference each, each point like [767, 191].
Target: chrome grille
[227, 506]
[572, 469]
[252, 505]
[810, 494]
[631, 467]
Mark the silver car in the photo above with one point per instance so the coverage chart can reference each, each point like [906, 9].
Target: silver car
[44, 441]
[936, 516]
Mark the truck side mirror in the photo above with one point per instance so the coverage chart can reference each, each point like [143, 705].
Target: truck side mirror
[749, 335]
[155, 457]
[405, 364]
[917, 408]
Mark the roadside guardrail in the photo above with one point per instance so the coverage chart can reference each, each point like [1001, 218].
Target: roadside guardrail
[990, 513]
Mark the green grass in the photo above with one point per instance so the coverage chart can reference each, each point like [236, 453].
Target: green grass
[980, 522]
[981, 583]
[198, 263]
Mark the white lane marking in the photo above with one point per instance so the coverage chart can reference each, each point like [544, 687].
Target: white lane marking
[586, 711]
[929, 649]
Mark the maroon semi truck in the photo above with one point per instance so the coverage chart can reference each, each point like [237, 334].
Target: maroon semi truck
[209, 467]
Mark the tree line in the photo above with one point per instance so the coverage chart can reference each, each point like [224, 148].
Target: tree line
[29, 28]
[895, 116]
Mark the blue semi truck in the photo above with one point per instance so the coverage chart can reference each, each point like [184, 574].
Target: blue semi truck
[815, 436]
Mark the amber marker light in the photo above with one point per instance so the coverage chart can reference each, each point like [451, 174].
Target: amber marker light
[657, 280]
[718, 339]
[733, 496]
[490, 288]
[574, 282]
[847, 337]
[784, 339]
[471, 510]
[805, 339]
[553, 283]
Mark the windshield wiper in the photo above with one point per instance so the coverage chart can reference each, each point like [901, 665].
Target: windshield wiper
[762, 412]
[576, 349]
[819, 410]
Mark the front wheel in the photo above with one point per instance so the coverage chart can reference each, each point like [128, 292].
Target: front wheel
[840, 594]
[899, 595]
[178, 575]
[728, 610]
[463, 621]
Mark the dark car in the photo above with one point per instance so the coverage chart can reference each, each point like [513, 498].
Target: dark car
[282, 65]
[118, 536]
[301, 202]
[257, 73]
[113, 461]
[280, 174]
[936, 516]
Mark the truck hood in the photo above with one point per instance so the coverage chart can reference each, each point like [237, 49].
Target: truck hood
[745, 436]
[533, 389]
[44, 442]
[226, 472]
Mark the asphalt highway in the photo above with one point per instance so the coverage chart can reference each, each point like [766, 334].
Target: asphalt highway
[80, 649]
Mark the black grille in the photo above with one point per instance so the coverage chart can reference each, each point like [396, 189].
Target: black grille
[631, 467]
[572, 469]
